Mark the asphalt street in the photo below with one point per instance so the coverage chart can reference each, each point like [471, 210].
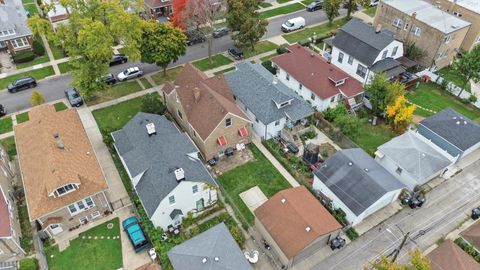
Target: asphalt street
[53, 88]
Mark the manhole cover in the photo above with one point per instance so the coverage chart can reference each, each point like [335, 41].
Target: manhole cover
[110, 226]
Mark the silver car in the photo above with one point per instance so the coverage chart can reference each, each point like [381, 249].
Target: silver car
[130, 73]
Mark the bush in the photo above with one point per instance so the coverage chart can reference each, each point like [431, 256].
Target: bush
[331, 113]
[352, 234]
[282, 49]
[348, 124]
[268, 65]
[29, 264]
[38, 48]
[305, 42]
[23, 57]
[152, 104]
[472, 98]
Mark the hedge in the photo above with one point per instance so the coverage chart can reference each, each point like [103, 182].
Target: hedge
[38, 48]
[268, 65]
[23, 57]
[29, 264]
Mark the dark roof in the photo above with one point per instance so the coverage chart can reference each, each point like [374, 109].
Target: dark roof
[254, 86]
[175, 213]
[157, 157]
[472, 235]
[454, 127]
[389, 66]
[216, 242]
[356, 187]
[361, 41]
[449, 256]
[13, 17]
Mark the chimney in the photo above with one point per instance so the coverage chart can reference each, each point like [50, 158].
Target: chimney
[204, 260]
[217, 259]
[151, 129]
[308, 229]
[196, 94]
[284, 200]
[179, 174]
[378, 29]
[414, 15]
[58, 140]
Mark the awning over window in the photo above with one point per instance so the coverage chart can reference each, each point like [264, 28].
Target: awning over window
[243, 131]
[222, 140]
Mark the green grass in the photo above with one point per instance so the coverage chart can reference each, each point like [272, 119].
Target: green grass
[146, 83]
[56, 51]
[370, 11]
[265, 5]
[98, 254]
[115, 91]
[31, 8]
[224, 71]
[281, 10]
[121, 50]
[172, 73]
[307, 2]
[369, 137]
[218, 60]
[38, 60]
[430, 96]
[9, 146]
[6, 124]
[258, 172]
[26, 239]
[64, 67]
[453, 76]
[37, 74]
[319, 30]
[22, 117]
[283, 1]
[60, 106]
[28, 1]
[261, 47]
[268, 57]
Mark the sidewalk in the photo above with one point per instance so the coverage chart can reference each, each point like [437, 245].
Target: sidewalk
[125, 98]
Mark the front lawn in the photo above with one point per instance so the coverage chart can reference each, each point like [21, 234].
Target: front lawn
[268, 57]
[370, 11]
[283, 1]
[223, 71]
[259, 48]
[37, 74]
[281, 10]
[218, 60]
[38, 60]
[60, 106]
[99, 248]
[6, 124]
[22, 117]
[64, 67]
[172, 73]
[431, 96]
[9, 145]
[31, 8]
[56, 51]
[319, 30]
[265, 4]
[115, 91]
[258, 172]
[369, 137]
[452, 75]
[307, 2]
[145, 83]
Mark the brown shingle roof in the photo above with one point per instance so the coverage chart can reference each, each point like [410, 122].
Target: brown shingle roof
[46, 167]
[157, 3]
[315, 73]
[449, 256]
[472, 235]
[287, 221]
[206, 101]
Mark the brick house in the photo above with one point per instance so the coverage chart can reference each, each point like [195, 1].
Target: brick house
[438, 33]
[63, 182]
[15, 36]
[155, 9]
[205, 108]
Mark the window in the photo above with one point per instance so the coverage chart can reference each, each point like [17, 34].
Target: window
[350, 59]
[406, 26]
[332, 99]
[178, 99]
[312, 96]
[72, 209]
[95, 214]
[283, 104]
[394, 52]
[195, 189]
[64, 190]
[277, 123]
[179, 113]
[416, 31]
[7, 33]
[361, 71]
[447, 39]
[194, 133]
[457, 14]
[287, 77]
[440, 55]
[300, 86]
[398, 23]
[256, 120]
[83, 220]
[384, 55]
[171, 200]
[228, 122]
[340, 57]
[89, 202]
[19, 42]
[80, 205]
[399, 170]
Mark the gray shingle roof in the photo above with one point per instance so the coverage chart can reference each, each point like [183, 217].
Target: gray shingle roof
[389, 66]
[157, 157]
[357, 188]
[360, 41]
[414, 155]
[454, 127]
[13, 17]
[216, 242]
[253, 85]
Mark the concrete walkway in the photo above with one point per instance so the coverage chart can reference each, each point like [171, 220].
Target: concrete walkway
[6, 135]
[125, 98]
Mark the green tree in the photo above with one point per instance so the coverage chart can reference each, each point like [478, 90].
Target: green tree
[469, 67]
[332, 8]
[245, 22]
[151, 103]
[413, 52]
[352, 5]
[332, 113]
[417, 262]
[348, 124]
[383, 92]
[162, 44]
[37, 98]
[29, 264]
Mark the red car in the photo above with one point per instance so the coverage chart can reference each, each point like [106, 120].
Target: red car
[316, 165]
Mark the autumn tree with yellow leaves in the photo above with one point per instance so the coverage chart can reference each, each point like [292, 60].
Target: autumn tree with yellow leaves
[400, 113]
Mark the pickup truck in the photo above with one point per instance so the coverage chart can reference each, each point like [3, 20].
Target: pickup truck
[135, 233]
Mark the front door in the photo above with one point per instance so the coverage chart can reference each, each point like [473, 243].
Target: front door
[200, 205]
[56, 229]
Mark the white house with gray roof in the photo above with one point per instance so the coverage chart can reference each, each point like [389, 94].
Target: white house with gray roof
[354, 182]
[164, 168]
[15, 36]
[267, 102]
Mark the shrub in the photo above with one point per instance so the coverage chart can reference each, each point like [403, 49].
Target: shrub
[348, 124]
[444, 84]
[23, 57]
[38, 48]
[472, 98]
[352, 234]
[268, 65]
[29, 264]
[282, 48]
[311, 134]
[331, 113]
[305, 42]
[152, 104]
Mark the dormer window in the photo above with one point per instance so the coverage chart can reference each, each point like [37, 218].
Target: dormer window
[6, 33]
[283, 104]
[340, 82]
[64, 190]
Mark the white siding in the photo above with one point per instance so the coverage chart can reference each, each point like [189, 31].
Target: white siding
[389, 50]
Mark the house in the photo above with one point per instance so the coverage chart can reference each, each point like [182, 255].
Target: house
[10, 249]
[58, 14]
[165, 169]
[212, 249]
[314, 79]
[472, 235]
[354, 182]
[412, 159]
[450, 256]
[158, 9]
[268, 103]
[295, 224]
[436, 32]
[452, 132]
[63, 182]
[361, 51]
[468, 10]
[204, 107]
[15, 35]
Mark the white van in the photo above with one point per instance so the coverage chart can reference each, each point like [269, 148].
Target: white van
[293, 24]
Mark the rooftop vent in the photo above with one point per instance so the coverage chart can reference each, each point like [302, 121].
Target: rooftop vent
[179, 174]
[350, 163]
[204, 260]
[378, 29]
[217, 259]
[58, 141]
[275, 80]
[458, 122]
[196, 94]
[366, 169]
[284, 200]
[423, 155]
[307, 229]
[151, 129]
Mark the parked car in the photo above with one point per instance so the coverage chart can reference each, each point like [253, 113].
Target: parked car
[220, 32]
[236, 53]
[373, 3]
[130, 73]
[475, 213]
[316, 5]
[3, 111]
[108, 79]
[22, 84]
[118, 59]
[293, 24]
[313, 167]
[135, 233]
[73, 97]
[194, 37]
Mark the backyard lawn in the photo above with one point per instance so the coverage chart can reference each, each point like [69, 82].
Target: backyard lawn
[319, 30]
[6, 124]
[172, 73]
[9, 146]
[369, 137]
[258, 172]
[259, 48]
[85, 253]
[218, 60]
[37, 74]
[453, 76]
[430, 96]
[370, 11]
[115, 91]
[281, 10]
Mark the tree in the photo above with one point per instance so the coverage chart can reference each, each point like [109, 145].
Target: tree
[417, 262]
[331, 8]
[332, 113]
[162, 44]
[352, 5]
[37, 98]
[413, 52]
[348, 124]
[469, 67]
[400, 113]
[383, 92]
[178, 6]
[151, 104]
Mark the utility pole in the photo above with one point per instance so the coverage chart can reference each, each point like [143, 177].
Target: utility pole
[397, 251]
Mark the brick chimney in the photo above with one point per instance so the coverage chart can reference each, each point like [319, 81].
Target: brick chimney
[378, 29]
[196, 94]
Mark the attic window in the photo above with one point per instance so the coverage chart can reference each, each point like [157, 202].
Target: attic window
[283, 104]
[340, 82]
[64, 190]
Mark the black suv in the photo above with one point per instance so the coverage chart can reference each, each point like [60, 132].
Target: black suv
[108, 79]
[314, 6]
[220, 32]
[118, 59]
[194, 37]
[22, 84]
[236, 53]
[3, 111]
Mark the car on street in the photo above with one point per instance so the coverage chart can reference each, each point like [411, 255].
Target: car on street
[130, 73]
[194, 37]
[373, 3]
[108, 79]
[475, 213]
[220, 32]
[118, 59]
[316, 5]
[73, 97]
[236, 53]
[135, 233]
[3, 111]
[22, 84]
[293, 24]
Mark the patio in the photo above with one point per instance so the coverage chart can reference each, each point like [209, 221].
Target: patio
[226, 164]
